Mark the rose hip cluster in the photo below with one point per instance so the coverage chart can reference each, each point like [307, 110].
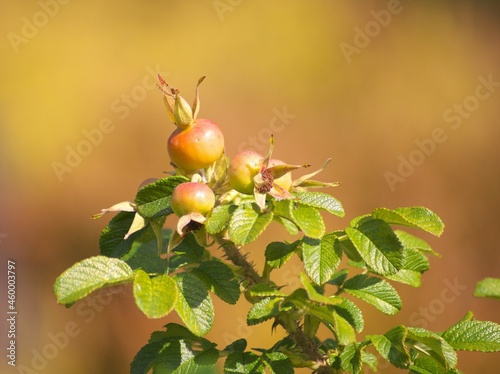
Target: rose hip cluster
[196, 150]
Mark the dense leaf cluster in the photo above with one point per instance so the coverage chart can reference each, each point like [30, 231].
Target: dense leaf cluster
[184, 280]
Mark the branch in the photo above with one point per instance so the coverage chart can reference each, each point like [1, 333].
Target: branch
[310, 349]
[233, 254]
[306, 344]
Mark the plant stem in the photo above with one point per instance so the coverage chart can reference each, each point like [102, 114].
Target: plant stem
[306, 344]
[310, 349]
[233, 254]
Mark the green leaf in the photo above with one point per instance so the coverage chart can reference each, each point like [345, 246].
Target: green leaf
[190, 250]
[194, 304]
[278, 253]
[112, 242]
[263, 310]
[202, 363]
[351, 313]
[315, 295]
[155, 297]
[180, 331]
[391, 346]
[350, 359]
[305, 217]
[369, 359]
[145, 256]
[414, 260]
[427, 365]
[474, 335]
[219, 218]
[320, 200]
[377, 245]
[220, 279]
[488, 287]
[308, 219]
[409, 241]
[89, 275]
[410, 277]
[418, 217]
[243, 363]
[174, 355]
[237, 346]
[265, 290]
[287, 224]
[341, 327]
[414, 264]
[247, 223]
[321, 257]
[339, 277]
[375, 291]
[347, 247]
[277, 363]
[154, 199]
[143, 360]
[433, 345]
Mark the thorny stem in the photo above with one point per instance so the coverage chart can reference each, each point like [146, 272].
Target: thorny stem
[306, 344]
[310, 349]
[233, 254]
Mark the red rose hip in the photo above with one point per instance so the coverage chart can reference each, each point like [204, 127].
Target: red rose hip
[196, 147]
[192, 197]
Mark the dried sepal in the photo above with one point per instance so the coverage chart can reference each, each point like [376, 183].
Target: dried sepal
[124, 206]
[179, 111]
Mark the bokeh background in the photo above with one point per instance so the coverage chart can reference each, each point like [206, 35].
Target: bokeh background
[68, 68]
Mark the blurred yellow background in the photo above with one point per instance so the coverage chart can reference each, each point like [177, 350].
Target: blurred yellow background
[404, 95]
